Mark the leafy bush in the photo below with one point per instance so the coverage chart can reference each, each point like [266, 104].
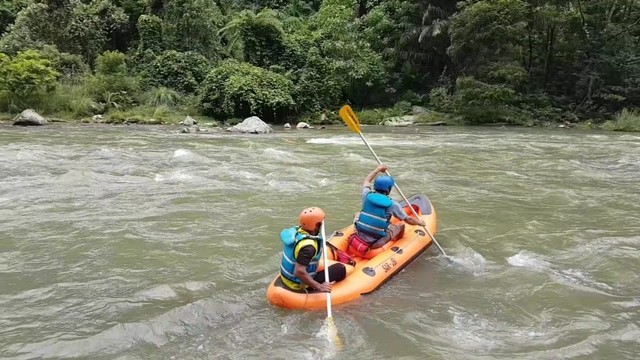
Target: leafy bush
[70, 66]
[111, 85]
[150, 30]
[440, 99]
[178, 71]
[241, 89]
[479, 102]
[27, 73]
[111, 63]
[25, 80]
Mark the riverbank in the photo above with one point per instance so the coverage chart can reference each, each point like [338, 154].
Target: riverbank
[627, 120]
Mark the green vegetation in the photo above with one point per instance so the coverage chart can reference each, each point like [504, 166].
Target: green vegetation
[521, 62]
[627, 120]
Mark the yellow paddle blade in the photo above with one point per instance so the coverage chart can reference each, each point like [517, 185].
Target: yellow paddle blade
[350, 118]
[332, 333]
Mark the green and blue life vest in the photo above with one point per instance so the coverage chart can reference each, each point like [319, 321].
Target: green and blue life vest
[294, 239]
[373, 218]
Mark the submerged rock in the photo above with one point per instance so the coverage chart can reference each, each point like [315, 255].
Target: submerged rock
[190, 129]
[303, 125]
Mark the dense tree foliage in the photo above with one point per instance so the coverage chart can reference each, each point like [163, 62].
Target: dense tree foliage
[515, 61]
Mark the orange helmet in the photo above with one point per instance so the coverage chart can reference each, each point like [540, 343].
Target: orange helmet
[311, 217]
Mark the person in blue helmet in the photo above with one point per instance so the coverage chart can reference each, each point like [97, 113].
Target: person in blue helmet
[373, 227]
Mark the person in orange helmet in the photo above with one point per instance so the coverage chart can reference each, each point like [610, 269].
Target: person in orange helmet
[302, 252]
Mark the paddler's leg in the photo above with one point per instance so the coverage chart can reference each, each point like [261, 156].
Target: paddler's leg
[337, 272]
[394, 231]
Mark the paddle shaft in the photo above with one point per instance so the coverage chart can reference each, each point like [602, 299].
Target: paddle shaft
[395, 184]
[326, 267]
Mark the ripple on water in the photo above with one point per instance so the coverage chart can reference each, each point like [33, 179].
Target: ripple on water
[574, 278]
[110, 238]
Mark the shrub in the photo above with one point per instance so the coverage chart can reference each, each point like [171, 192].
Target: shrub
[241, 89]
[479, 102]
[161, 96]
[111, 63]
[376, 116]
[27, 73]
[150, 30]
[25, 81]
[181, 71]
[74, 100]
[440, 99]
[70, 66]
[111, 85]
[627, 120]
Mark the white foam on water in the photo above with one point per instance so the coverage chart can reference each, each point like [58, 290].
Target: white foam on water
[197, 285]
[632, 304]
[360, 158]
[329, 332]
[577, 279]
[336, 140]
[528, 260]
[469, 331]
[470, 260]
[373, 141]
[281, 155]
[175, 176]
[160, 292]
[182, 153]
[288, 186]
[515, 174]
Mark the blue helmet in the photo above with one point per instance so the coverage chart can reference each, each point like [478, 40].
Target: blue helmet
[383, 183]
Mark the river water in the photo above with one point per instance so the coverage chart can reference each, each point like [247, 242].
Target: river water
[123, 242]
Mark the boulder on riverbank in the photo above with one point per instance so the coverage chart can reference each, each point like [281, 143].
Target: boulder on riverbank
[251, 125]
[190, 125]
[29, 118]
[400, 121]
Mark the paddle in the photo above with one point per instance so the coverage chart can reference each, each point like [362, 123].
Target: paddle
[350, 118]
[332, 332]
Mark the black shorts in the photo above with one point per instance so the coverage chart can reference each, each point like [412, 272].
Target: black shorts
[337, 272]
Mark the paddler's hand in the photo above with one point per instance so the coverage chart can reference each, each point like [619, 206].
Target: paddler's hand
[325, 286]
[413, 221]
[382, 168]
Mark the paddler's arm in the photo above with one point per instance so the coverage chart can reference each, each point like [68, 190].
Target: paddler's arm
[381, 168]
[300, 271]
[397, 211]
[413, 221]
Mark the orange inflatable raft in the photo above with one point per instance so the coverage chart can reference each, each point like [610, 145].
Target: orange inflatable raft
[369, 273]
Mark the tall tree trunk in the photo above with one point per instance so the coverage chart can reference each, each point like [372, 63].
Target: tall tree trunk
[362, 8]
[548, 60]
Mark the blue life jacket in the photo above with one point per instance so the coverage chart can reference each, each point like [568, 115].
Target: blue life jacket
[373, 218]
[294, 239]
